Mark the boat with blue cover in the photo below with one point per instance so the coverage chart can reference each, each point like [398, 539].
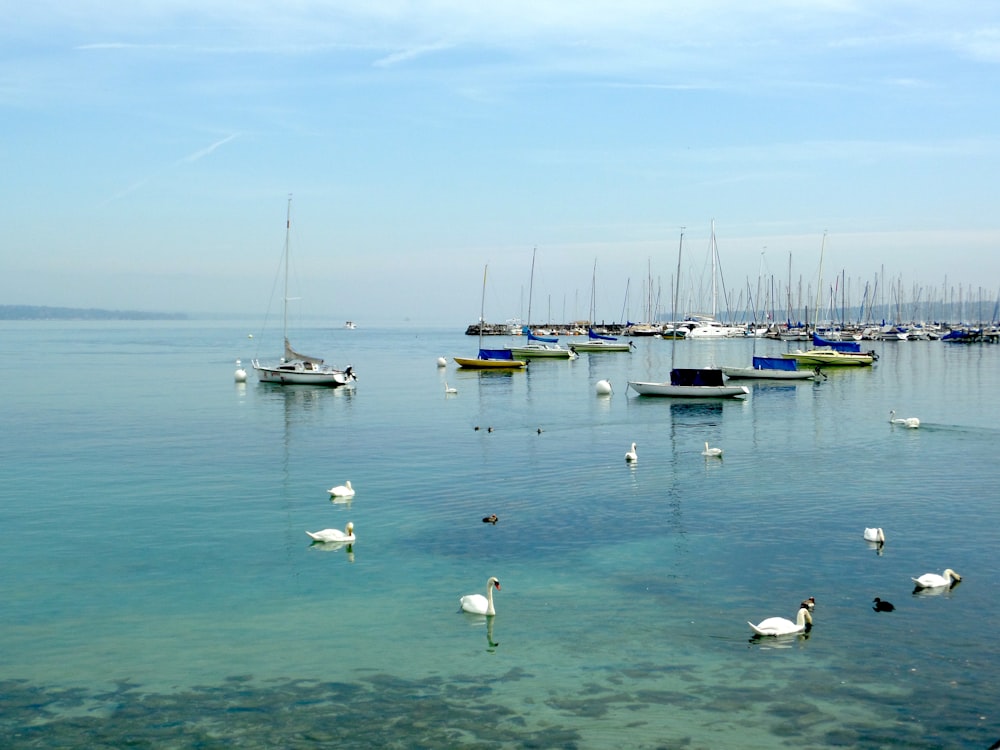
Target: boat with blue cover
[597, 342]
[771, 368]
[489, 359]
[836, 353]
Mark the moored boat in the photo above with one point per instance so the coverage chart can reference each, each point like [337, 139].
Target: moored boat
[489, 359]
[597, 342]
[771, 368]
[295, 368]
[827, 357]
[708, 382]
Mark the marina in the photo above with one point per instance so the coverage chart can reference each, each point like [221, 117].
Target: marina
[162, 591]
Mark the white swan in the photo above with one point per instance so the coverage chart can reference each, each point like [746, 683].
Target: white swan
[933, 580]
[342, 490]
[717, 452]
[478, 604]
[911, 422]
[780, 626]
[333, 535]
[448, 389]
[631, 454]
[874, 535]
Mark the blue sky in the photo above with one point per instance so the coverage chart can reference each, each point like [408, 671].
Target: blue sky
[148, 149]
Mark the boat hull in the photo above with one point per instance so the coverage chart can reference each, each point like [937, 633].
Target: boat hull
[598, 346]
[764, 374]
[541, 352]
[830, 358]
[327, 377]
[472, 363]
[688, 391]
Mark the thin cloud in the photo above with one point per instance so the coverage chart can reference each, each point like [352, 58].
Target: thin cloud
[189, 159]
[409, 54]
[206, 151]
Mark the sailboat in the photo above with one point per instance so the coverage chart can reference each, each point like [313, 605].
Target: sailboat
[707, 382]
[489, 359]
[597, 342]
[768, 368]
[538, 347]
[295, 368]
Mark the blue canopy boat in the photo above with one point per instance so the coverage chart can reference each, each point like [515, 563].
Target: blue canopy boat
[771, 368]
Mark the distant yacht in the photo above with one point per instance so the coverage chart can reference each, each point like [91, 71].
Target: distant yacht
[350, 324]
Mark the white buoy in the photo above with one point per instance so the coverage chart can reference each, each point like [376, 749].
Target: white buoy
[442, 362]
[240, 374]
[603, 387]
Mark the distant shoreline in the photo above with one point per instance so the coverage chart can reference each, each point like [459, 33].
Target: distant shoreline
[41, 312]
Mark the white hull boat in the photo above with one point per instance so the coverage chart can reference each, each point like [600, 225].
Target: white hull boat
[294, 368]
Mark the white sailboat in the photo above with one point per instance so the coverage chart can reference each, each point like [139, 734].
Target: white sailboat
[537, 347]
[598, 342]
[768, 368]
[707, 382]
[295, 368]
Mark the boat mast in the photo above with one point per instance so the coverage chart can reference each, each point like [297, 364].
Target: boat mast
[482, 308]
[531, 287]
[677, 290]
[819, 281]
[288, 230]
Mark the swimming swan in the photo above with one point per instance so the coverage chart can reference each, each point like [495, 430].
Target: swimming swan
[631, 455]
[875, 535]
[781, 626]
[717, 452]
[342, 490]
[333, 535]
[911, 422]
[478, 604]
[933, 580]
[449, 389]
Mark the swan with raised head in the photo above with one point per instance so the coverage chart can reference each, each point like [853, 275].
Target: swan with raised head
[342, 490]
[774, 626]
[716, 452]
[478, 604]
[449, 389]
[911, 422]
[874, 535]
[934, 581]
[631, 455]
[333, 535]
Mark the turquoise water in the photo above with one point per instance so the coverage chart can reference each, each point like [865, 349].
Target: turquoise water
[159, 589]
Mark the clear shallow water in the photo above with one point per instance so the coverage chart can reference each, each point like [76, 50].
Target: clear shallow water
[159, 588]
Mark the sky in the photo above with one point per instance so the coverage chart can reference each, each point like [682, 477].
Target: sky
[149, 148]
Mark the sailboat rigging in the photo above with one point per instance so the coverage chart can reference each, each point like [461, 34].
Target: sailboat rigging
[295, 368]
[598, 342]
[708, 382]
[489, 359]
[537, 346]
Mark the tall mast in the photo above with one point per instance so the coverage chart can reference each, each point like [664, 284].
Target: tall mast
[677, 290]
[531, 287]
[288, 230]
[482, 307]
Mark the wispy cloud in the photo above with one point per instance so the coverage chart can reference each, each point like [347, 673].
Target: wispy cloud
[202, 153]
[412, 53]
[188, 159]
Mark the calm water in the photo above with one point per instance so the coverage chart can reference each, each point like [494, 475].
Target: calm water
[158, 588]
